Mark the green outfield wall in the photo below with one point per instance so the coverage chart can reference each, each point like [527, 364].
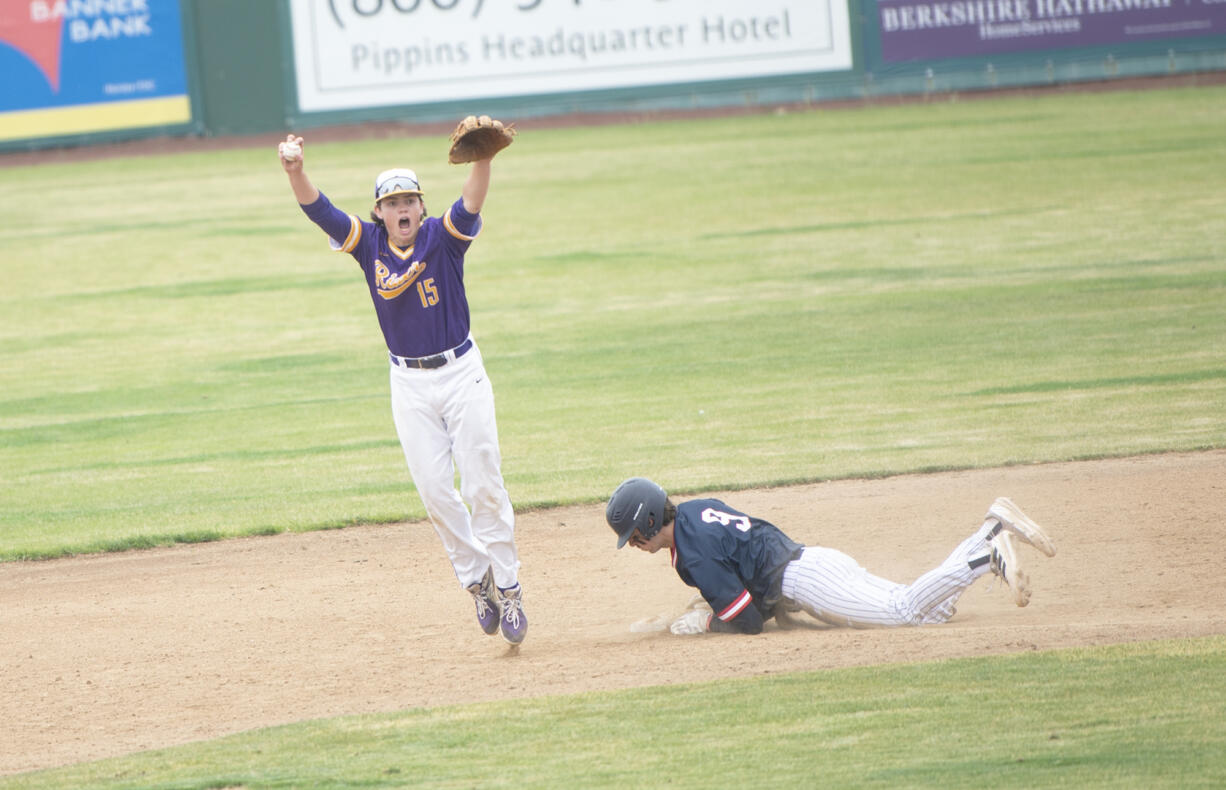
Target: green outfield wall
[112, 70]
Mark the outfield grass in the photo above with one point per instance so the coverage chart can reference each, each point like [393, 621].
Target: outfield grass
[716, 303]
[1122, 716]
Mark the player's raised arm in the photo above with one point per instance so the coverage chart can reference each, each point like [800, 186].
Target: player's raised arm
[477, 139]
[290, 153]
[476, 186]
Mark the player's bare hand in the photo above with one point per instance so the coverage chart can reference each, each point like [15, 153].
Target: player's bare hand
[290, 153]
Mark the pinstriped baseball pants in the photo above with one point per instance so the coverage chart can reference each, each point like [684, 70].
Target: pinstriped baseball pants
[835, 589]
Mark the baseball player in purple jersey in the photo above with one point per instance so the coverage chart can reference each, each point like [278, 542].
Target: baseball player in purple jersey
[748, 571]
[442, 400]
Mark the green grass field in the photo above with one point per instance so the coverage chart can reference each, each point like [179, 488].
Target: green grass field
[717, 304]
[1110, 717]
[732, 303]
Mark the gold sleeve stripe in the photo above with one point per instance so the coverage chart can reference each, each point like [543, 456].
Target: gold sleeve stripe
[451, 228]
[355, 234]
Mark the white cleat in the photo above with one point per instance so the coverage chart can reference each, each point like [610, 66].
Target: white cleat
[1017, 522]
[1004, 563]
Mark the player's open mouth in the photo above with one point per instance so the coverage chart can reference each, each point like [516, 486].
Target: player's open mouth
[405, 223]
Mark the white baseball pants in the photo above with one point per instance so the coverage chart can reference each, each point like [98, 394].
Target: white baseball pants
[445, 420]
[833, 588]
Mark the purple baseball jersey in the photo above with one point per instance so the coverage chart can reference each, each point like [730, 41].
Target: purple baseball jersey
[418, 292]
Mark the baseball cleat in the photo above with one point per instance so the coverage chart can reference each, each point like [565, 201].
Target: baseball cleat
[1017, 522]
[514, 622]
[1004, 563]
[487, 602]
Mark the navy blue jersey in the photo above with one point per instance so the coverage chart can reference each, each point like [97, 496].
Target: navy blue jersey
[418, 292]
[733, 559]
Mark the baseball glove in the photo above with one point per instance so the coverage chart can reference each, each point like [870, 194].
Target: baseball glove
[478, 138]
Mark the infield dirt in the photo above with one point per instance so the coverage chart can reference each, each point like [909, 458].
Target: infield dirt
[113, 654]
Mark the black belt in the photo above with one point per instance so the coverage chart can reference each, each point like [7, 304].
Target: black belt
[436, 361]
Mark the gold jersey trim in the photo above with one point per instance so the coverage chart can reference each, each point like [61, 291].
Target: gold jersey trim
[451, 228]
[404, 254]
[355, 235]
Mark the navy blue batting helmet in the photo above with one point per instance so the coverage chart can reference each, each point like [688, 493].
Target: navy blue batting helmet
[638, 504]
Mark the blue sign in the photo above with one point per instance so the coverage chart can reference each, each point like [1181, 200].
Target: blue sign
[59, 54]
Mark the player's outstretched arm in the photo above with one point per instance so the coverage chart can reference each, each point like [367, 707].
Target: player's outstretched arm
[748, 621]
[477, 139]
[699, 621]
[476, 186]
[290, 152]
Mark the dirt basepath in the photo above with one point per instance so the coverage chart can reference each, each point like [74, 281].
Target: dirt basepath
[109, 655]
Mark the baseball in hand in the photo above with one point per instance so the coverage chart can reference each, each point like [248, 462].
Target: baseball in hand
[291, 151]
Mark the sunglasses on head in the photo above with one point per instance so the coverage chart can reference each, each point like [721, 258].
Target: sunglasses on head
[398, 184]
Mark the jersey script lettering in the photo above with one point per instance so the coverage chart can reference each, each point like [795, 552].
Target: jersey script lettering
[392, 285]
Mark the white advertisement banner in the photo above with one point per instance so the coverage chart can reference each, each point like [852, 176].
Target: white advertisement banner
[366, 53]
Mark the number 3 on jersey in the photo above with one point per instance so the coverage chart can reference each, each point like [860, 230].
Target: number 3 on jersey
[712, 516]
[427, 292]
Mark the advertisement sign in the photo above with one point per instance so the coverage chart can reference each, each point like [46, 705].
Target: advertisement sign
[81, 66]
[913, 30]
[363, 53]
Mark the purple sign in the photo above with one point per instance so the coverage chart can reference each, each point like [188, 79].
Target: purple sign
[934, 29]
